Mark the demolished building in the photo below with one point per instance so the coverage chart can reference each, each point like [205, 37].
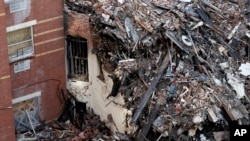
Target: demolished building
[173, 69]
[150, 69]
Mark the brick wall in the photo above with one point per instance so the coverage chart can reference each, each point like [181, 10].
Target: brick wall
[6, 115]
[47, 68]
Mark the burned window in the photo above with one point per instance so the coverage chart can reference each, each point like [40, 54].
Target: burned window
[77, 57]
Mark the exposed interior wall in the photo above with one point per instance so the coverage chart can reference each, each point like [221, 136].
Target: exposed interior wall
[105, 107]
[95, 92]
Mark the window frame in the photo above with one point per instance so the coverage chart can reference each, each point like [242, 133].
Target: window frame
[34, 114]
[17, 27]
[22, 66]
[73, 72]
[24, 7]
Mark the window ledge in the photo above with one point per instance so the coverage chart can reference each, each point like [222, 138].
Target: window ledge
[22, 58]
[21, 26]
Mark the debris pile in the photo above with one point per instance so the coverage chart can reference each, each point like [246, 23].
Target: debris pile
[182, 66]
[76, 123]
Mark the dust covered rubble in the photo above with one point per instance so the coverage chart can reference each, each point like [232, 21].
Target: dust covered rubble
[181, 66]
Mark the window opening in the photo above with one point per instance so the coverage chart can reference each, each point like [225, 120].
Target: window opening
[20, 43]
[22, 123]
[21, 66]
[18, 5]
[77, 57]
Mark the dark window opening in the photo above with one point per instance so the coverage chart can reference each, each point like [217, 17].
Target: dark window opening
[77, 57]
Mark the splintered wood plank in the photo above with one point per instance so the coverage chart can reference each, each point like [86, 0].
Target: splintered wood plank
[146, 97]
[212, 115]
[234, 108]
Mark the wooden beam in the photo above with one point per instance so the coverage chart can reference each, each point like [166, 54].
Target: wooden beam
[150, 90]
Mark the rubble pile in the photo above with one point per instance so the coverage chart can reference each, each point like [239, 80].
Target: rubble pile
[76, 123]
[182, 66]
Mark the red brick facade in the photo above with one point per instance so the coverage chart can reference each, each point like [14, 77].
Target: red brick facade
[47, 68]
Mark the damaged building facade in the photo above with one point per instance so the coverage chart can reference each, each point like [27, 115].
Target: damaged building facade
[149, 69]
[163, 70]
[39, 59]
[86, 79]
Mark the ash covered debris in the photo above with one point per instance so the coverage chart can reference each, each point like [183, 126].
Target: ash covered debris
[76, 123]
[182, 67]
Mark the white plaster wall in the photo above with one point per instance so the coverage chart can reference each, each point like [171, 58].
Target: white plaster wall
[94, 93]
[104, 107]
[80, 90]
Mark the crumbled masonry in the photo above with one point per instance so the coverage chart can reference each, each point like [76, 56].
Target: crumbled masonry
[182, 67]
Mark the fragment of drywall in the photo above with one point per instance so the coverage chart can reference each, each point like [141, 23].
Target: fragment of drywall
[245, 69]
[237, 84]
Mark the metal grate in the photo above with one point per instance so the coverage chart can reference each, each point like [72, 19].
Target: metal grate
[18, 5]
[77, 55]
[20, 116]
[24, 51]
[21, 66]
